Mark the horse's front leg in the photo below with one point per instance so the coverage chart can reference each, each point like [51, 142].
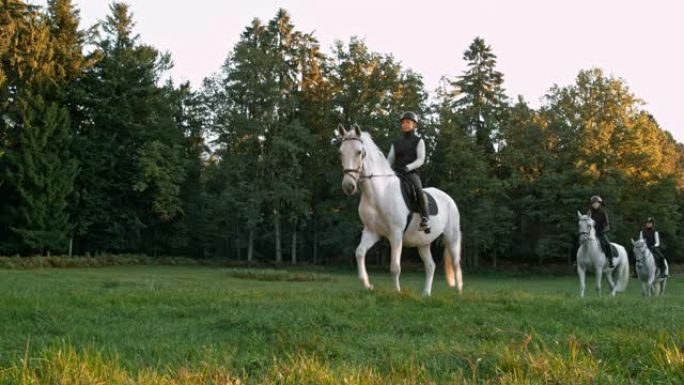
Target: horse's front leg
[651, 284]
[582, 276]
[599, 277]
[396, 244]
[368, 239]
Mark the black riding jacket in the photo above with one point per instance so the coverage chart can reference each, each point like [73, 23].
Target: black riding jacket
[600, 218]
[405, 149]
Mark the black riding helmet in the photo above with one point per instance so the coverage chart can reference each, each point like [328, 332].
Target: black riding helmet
[596, 198]
[410, 115]
[650, 220]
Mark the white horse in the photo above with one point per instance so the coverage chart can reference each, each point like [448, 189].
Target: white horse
[384, 213]
[590, 257]
[646, 270]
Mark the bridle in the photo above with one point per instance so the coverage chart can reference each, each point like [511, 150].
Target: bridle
[642, 255]
[586, 233]
[357, 173]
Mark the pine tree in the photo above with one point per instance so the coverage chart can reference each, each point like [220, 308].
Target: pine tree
[42, 172]
[30, 87]
[131, 149]
[482, 99]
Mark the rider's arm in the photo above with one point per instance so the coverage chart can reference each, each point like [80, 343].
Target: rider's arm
[390, 156]
[607, 227]
[420, 156]
[657, 237]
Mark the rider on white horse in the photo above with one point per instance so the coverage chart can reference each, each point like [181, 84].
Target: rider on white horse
[602, 225]
[406, 156]
[652, 238]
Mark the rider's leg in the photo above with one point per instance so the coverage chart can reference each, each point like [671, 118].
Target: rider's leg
[659, 260]
[422, 202]
[605, 245]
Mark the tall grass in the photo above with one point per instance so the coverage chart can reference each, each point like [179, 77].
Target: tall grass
[201, 325]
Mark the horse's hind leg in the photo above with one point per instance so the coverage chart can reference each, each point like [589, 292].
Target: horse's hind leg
[613, 286]
[426, 256]
[368, 239]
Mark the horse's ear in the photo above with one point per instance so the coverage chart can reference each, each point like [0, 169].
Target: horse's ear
[357, 129]
[340, 130]
[633, 242]
[579, 214]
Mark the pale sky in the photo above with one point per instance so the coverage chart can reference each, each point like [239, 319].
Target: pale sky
[538, 43]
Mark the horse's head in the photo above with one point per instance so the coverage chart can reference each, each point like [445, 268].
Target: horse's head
[586, 227]
[352, 154]
[640, 249]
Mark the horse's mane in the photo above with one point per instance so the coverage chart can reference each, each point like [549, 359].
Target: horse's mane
[375, 156]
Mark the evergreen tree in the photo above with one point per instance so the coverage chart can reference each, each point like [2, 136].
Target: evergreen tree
[131, 150]
[471, 112]
[481, 97]
[42, 172]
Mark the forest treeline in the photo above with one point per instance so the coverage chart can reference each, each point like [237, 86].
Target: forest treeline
[100, 152]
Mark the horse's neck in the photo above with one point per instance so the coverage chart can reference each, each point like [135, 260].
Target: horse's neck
[380, 187]
[647, 258]
[376, 190]
[590, 247]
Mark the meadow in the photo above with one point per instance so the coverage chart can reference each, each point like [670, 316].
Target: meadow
[217, 325]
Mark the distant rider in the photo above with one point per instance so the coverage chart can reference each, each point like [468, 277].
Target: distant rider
[652, 238]
[601, 225]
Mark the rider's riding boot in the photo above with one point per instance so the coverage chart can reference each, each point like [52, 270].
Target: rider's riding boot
[424, 215]
[424, 225]
[663, 273]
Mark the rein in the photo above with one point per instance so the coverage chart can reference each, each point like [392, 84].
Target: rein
[642, 257]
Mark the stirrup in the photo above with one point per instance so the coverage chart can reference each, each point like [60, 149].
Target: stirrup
[424, 225]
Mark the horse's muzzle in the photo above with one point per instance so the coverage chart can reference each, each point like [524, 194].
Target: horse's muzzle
[348, 186]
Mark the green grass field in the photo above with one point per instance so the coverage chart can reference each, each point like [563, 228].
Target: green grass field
[210, 325]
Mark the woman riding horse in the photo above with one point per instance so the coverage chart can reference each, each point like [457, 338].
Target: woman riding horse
[598, 214]
[406, 156]
[652, 238]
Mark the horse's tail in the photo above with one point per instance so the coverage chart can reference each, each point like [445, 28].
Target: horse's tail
[452, 250]
[449, 267]
[623, 271]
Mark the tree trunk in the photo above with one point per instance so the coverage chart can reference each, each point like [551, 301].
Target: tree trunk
[278, 247]
[294, 241]
[315, 243]
[71, 245]
[250, 246]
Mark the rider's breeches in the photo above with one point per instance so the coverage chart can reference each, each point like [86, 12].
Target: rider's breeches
[659, 258]
[605, 244]
[422, 202]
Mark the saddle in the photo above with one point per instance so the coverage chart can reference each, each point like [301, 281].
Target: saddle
[408, 192]
[614, 251]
